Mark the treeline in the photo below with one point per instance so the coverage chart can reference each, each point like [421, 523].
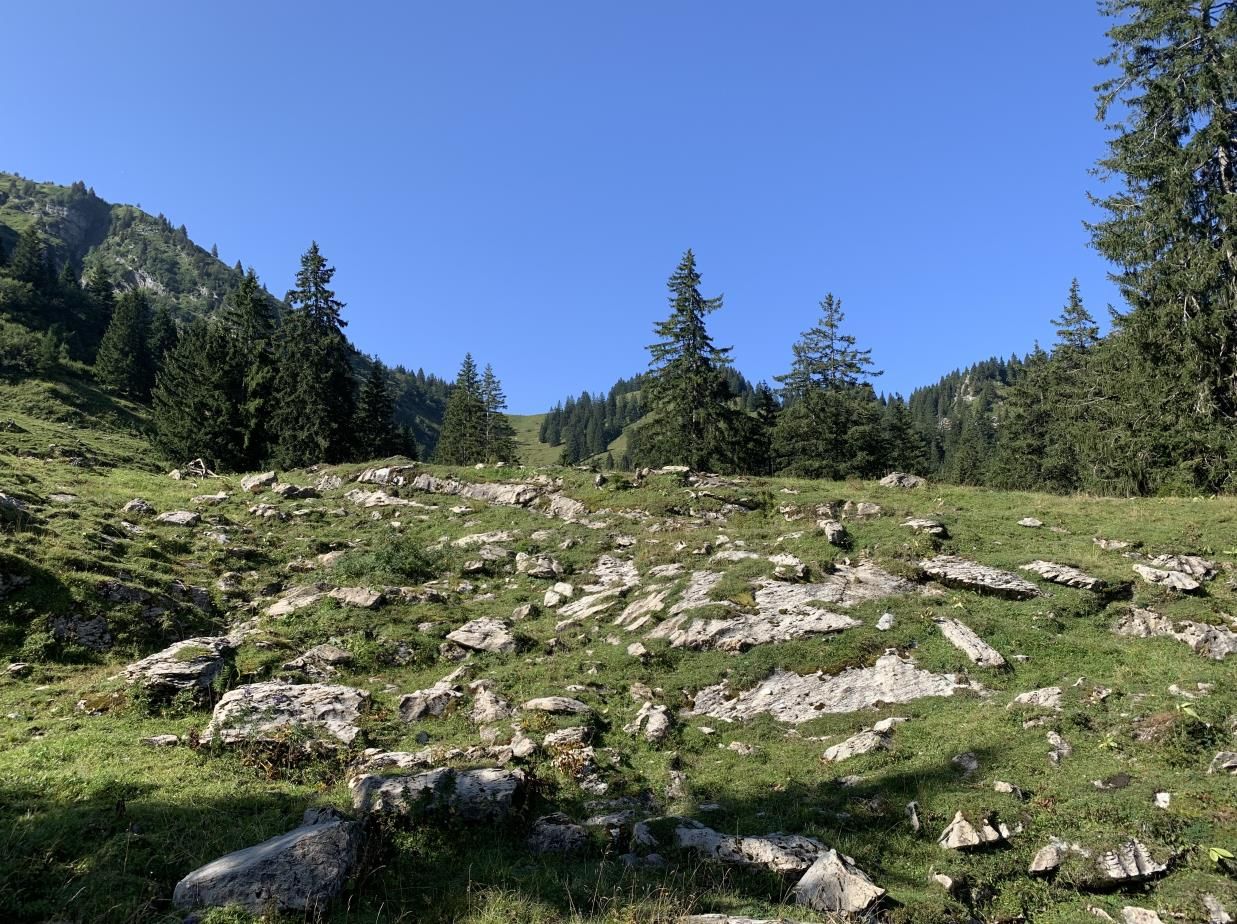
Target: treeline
[475, 428]
[585, 426]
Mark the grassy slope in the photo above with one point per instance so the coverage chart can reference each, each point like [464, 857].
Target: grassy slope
[97, 827]
[534, 452]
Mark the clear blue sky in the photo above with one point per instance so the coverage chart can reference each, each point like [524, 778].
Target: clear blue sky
[519, 179]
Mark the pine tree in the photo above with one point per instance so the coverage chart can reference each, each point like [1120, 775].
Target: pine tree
[377, 434]
[462, 438]
[499, 437]
[314, 391]
[123, 360]
[1170, 227]
[691, 419]
[198, 398]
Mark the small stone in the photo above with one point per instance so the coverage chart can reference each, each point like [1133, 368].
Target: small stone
[161, 741]
[886, 622]
[1030, 522]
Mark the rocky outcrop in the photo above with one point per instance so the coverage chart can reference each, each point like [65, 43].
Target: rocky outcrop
[256, 484]
[876, 738]
[953, 571]
[797, 698]
[928, 527]
[277, 711]
[498, 493]
[472, 795]
[834, 884]
[652, 722]
[556, 705]
[191, 665]
[1215, 642]
[485, 634]
[1127, 864]
[781, 853]
[902, 480]
[556, 833]
[1064, 575]
[1173, 580]
[179, 518]
[961, 834]
[300, 871]
[970, 644]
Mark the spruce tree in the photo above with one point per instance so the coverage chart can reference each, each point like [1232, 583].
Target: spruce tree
[314, 391]
[160, 339]
[462, 438]
[123, 361]
[906, 448]
[499, 434]
[377, 434]
[248, 318]
[1172, 95]
[691, 418]
[29, 261]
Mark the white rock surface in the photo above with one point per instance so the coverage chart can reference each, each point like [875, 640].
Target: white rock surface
[953, 571]
[473, 795]
[269, 711]
[965, 640]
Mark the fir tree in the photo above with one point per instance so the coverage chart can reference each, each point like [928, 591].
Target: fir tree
[314, 392]
[248, 318]
[1170, 227]
[499, 434]
[824, 357]
[160, 339]
[123, 361]
[377, 434]
[462, 438]
[29, 260]
[906, 448]
[691, 417]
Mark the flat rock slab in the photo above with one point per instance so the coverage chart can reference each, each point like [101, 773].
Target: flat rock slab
[834, 884]
[1128, 864]
[965, 640]
[275, 710]
[926, 526]
[1174, 580]
[1215, 642]
[179, 518]
[298, 871]
[781, 853]
[192, 664]
[557, 705]
[485, 634]
[969, 575]
[744, 630]
[797, 698]
[1064, 575]
[498, 493]
[474, 795]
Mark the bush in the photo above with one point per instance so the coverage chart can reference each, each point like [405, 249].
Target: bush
[400, 561]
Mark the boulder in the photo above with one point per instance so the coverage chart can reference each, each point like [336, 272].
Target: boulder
[488, 707]
[556, 705]
[1215, 642]
[179, 518]
[362, 597]
[1174, 580]
[835, 885]
[876, 738]
[294, 491]
[953, 571]
[1043, 698]
[835, 532]
[192, 665]
[472, 795]
[929, 527]
[256, 484]
[388, 474]
[209, 500]
[432, 702]
[960, 834]
[780, 853]
[138, 508]
[1131, 914]
[796, 698]
[1192, 565]
[298, 598]
[1048, 859]
[299, 871]
[270, 711]
[1127, 864]
[556, 833]
[653, 722]
[902, 480]
[1064, 575]
[1224, 762]
[970, 644]
[1030, 522]
[485, 634]
[321, 660]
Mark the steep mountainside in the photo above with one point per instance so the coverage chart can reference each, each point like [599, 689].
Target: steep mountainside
[149, 252]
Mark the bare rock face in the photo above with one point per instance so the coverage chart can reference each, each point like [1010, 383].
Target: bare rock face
[189, 665]
[320, 661]
[298, 598]
[488, 707]
[781, 853]
[473, 795]
[797, 698]
[1174, 580]
[902, 480]
[960, 834]
[300, 871]
[497, 493]
[1064, 575]
[970, 644]
[264, 712]
[256, 484]
[91, 632]
[783, 613]
[396, 475]
[484, 634]
[953, 571]
[1128, 864]
[834, 884]
[557, 833]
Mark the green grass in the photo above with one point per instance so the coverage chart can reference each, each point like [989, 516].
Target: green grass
[95, 826]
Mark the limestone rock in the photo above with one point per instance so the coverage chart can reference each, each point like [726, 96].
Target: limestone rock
[1059, 748]
[960, 834]
[364, 598]
[209, 500]
[1043, 698]
[835, 532]
[488, 707]
[886, 622]
[1131, 914]
[1111, 545]
[321, 660]
[651, 721]
[90, 632]
[473, 795]
[781, 853]
[299, 871]
[1030, 522]
[396, 475]
[179, 518]
[929, 527]
[834, 884]
[497, 493]
[953, 571]
[269, 711]
[1128, 864]
[192, 664]
[256, 484]
[1216, 912]
[863, 742]
[970, 644]
[1048, 859]
[298, 598]
[1174, 580]
[1064, 575]
[1215, 642]
[432, 702]
[902, 480]
[139, 508]
[1224, 762]
[1192, 565]
[556, 705]
[556, 833]
[484, 634]
[797, 698]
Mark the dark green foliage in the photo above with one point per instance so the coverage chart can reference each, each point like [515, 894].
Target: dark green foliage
[314, 393]
[499, 434]
[1170, 226]
[462, 440]
[249, 318]
[29, 261]
[162, 336]
[586, 425]
[691, 419]
[199, 397]
[376, 432]
[123, 361]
